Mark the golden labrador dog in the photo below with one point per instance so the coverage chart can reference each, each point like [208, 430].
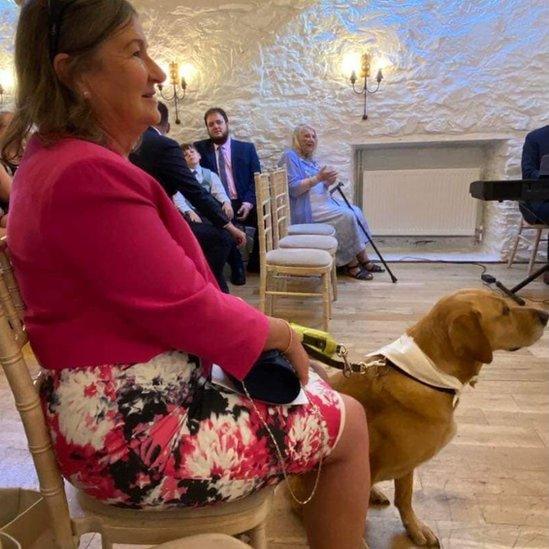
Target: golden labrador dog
[409, 421]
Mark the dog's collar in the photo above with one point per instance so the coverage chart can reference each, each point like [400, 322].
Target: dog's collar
[408, 357]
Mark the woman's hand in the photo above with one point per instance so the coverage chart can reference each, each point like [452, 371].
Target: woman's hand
[282, 337]
[327, 175]
[298, 357]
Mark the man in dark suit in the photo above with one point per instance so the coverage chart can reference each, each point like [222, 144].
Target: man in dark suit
[162, 158]
[536, 146]
[235, 162]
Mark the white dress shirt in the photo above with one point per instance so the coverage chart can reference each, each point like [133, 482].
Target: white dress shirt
[217, 190]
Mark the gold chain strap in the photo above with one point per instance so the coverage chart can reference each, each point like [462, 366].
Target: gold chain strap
[279, 453]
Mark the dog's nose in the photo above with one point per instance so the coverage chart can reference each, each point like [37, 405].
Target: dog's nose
[544, 317]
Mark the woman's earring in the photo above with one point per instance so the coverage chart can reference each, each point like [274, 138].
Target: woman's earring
[86, 94]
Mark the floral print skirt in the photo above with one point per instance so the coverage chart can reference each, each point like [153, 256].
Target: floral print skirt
[159, 434]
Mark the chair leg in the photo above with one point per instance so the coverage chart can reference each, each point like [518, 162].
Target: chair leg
[258, 536]
[534, 251]
[262, 290]
[515, 246]
[334, 281]
[272, 300]
[326, 299]
[105, 543]
[329, 289]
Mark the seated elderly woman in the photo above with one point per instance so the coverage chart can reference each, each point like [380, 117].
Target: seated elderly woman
[123, 312]
[310, 202]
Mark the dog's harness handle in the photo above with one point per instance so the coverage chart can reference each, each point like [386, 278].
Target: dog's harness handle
[322, 346]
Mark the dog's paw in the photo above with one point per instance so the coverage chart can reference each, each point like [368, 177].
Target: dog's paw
[377, 497]
[422, 535]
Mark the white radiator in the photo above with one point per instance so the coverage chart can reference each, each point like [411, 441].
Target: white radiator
[428, 202]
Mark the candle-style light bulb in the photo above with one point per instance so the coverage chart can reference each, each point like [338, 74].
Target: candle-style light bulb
[379, 76]
[353, 77]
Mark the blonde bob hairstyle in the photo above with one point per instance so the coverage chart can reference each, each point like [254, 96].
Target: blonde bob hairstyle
[42, 100]
[295, 139]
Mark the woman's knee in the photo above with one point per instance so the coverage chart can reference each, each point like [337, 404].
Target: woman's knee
[348, 215]
[354, 437]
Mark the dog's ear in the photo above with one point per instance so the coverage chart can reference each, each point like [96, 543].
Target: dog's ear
[468, 339]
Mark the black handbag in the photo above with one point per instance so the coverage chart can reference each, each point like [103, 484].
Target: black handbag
[272, 379]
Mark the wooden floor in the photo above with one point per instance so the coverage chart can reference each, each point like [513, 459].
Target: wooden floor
[488, 489]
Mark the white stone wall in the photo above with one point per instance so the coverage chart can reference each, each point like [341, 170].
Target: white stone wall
[456, 67]
[8, 20]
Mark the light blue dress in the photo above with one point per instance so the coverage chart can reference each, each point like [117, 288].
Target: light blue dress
[317, 206]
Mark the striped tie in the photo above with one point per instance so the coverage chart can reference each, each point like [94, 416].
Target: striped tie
[222, 169]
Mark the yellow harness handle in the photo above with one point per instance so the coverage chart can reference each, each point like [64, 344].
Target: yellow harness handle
[322, 341]
[322, 346]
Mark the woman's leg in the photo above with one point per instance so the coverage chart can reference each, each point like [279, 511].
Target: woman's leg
[355, 269]
[336, 516]
[362, 256]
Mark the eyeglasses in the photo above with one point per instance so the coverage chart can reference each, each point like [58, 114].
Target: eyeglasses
[56, 9]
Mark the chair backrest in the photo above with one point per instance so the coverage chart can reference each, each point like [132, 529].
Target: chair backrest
[27, 401]
[264, 215]
[280, 204]
[10, 297]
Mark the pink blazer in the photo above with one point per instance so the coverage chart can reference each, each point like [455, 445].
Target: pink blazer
[109, 270]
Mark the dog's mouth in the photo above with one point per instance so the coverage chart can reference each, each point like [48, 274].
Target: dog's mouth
[512, 349]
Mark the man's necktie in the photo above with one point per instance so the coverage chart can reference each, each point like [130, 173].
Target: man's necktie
[222, 169]
[194, 172]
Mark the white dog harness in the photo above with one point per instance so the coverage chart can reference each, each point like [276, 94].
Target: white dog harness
[407, 356]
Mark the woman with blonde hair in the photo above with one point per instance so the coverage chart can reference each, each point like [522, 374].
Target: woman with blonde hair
[124, 313]
[310, 202]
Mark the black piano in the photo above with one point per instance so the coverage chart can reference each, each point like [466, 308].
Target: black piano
[523, 190]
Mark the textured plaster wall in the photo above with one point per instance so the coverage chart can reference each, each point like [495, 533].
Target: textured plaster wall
[8, 20]
[456, 68]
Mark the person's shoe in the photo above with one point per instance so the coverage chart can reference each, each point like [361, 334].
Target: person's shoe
[238, 276]
[359, 272]
[546, 277]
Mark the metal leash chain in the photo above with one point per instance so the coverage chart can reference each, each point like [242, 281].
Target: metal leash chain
[342, 352]
[355, 367]
[279, 453]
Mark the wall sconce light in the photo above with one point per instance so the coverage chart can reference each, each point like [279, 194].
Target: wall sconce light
[176, 83]
[365, 67]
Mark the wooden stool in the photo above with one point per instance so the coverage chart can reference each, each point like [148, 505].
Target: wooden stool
[538, 228]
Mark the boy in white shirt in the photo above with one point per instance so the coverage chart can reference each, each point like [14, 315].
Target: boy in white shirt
[207, 179]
